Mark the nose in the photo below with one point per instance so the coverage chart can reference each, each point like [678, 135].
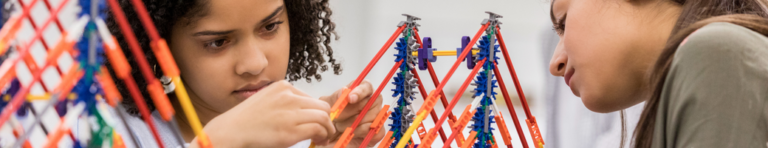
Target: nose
[252, 60]
[559, 60]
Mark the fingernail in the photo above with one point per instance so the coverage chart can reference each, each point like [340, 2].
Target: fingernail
[353, 98]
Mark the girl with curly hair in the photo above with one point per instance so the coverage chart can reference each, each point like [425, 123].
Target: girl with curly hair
[236, 57]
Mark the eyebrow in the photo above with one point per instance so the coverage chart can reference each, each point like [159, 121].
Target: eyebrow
[274, 13]
[225, 32]
[216, 33]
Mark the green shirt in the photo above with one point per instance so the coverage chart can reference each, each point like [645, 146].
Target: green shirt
[716, 92]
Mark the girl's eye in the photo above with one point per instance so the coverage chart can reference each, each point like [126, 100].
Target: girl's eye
[560, 26]
[271, 27]
[219, 43]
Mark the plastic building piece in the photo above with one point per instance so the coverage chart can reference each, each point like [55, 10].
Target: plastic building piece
[425, 54]
[503, 128]
[510, 109]
[421, 113]
[531, 119]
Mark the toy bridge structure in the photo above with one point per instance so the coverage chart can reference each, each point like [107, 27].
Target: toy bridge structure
[414, 51]
[86, 89]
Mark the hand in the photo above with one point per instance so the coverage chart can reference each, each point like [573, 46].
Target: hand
[277, 116]
[358, 97]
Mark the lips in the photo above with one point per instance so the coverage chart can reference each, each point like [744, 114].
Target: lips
[248, 90]
[568, 76]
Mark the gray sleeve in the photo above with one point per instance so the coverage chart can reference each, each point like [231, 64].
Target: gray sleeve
[716, 91]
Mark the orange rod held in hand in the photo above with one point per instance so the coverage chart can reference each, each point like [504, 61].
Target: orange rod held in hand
[340, 104]
[368, 105]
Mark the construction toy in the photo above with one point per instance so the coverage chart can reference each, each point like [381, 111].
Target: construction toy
[483, 113]
[86, 89]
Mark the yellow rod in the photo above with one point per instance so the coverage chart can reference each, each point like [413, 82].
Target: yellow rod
[186, 105]
[407, 135]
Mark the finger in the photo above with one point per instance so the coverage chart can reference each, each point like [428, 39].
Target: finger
[378, 136]
[367, 121]
[355, 109]
[362, 91]
[362, 130]
[312, 103]
[367, 118]
[278, 85]
[316, 132]
[317, 117]
[296, 90]
[332, 98]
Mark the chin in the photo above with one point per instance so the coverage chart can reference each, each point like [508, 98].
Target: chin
[599, 104]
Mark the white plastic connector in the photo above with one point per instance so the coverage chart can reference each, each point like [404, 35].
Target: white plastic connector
[76, 32]
[104, 33]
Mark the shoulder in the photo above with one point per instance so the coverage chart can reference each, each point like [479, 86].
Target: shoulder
[724, 50]
[721, 55]
[723, 41]
[716, 89]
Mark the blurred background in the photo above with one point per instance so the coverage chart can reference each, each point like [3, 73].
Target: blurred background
[365, 25]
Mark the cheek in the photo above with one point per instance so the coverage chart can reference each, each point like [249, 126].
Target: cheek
[278, 53]
[207, 76]
[600, 48]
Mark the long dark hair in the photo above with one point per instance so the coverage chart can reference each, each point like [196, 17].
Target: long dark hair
[752, 14]
[311, 33]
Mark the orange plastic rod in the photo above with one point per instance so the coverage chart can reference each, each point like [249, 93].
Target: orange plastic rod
[510, 107]
[424, 95]
[503, 129]
[341, 104]
[466, 115]
[377, 124]
[470, 139]
[455, 98]
[373, 98]
[386, 141]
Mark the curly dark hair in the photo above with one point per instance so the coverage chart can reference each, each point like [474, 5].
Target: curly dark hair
[311, 33]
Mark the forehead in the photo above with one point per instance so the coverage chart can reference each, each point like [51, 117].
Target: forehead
[229, 13]
[241, 7]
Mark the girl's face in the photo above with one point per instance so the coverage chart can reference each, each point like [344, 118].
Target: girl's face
[231, 51]
[607, 47]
